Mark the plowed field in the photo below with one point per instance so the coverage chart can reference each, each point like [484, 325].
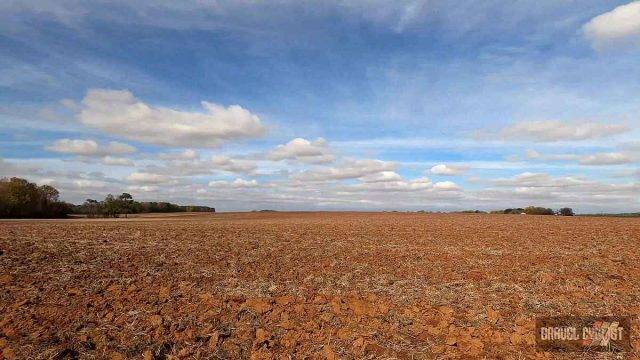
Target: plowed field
[308, 285]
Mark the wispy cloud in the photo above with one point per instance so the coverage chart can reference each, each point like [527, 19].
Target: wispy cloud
[552, 130]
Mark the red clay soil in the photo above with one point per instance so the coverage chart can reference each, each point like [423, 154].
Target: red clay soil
[309, 285]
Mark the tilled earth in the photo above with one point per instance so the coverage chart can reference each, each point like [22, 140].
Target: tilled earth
[309, 285]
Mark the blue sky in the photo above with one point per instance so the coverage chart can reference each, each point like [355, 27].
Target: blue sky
[331, 105]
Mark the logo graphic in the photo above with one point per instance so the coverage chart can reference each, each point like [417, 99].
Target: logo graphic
[570, 333]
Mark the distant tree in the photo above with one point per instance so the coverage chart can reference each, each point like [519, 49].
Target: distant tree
[125, 203]
[110, 206]
[49, 193]
[514, 211]
[90, 207]
[535, 210]
[23, 197]
[566, 212]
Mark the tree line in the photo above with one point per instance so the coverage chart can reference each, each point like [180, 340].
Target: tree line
[20, 198]
[530, 210]
[123, 204]
[536, 210]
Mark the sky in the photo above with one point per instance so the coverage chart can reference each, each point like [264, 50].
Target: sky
[326, 105]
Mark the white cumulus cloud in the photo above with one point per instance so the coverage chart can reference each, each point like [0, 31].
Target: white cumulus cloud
[539, 180]
[226, 163]
[90, 147]
[182, 164]
[349, 169]
[148, 178]
[401, 185]
[187, 154]
[237, 183]
[118, 112]
[303, 150]
[621, 24]
[446, 186]
[449, 170]
[535, 155]
[116, 161]
[383, 176]
[89, 184]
